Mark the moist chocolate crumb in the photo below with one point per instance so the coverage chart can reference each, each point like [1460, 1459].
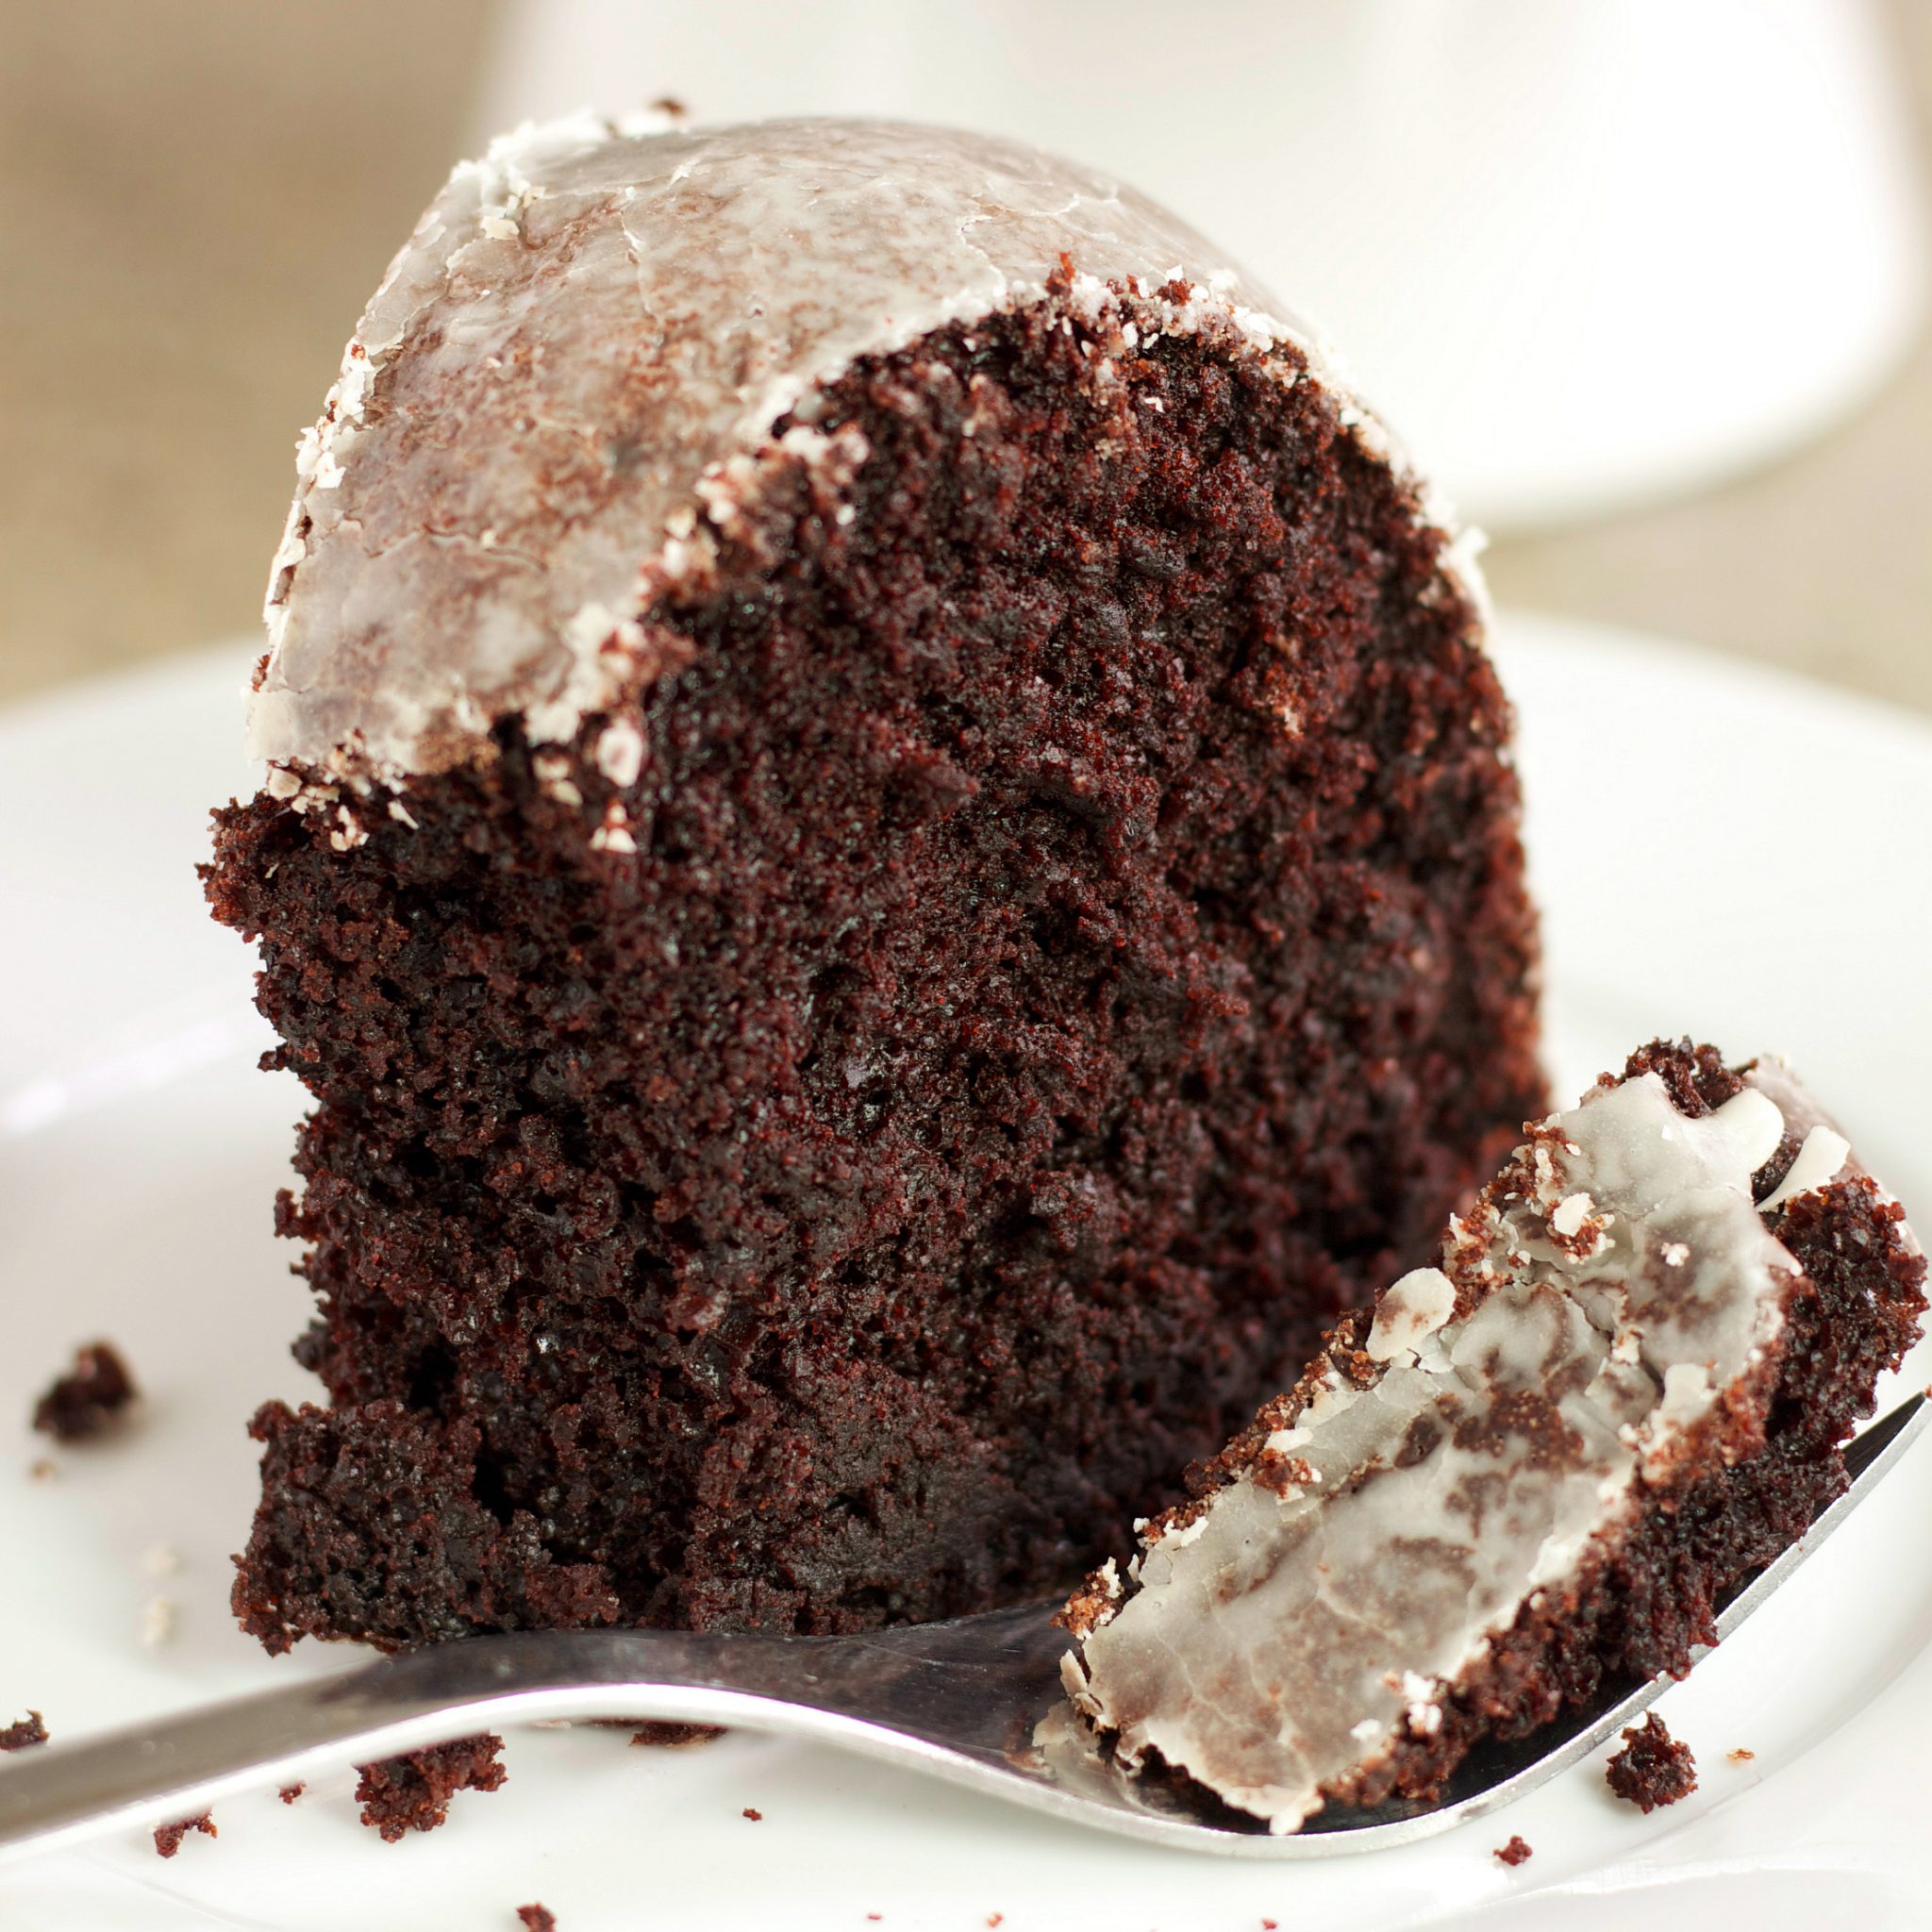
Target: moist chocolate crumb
[752, 1813]
[168, 1837]
[1653, 1768]
[84, 1401]
[536, 1917]
[1515, 1853]
[28, 1731]
[288, 1793]
[412, 1792]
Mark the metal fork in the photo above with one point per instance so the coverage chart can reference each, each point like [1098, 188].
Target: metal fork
[975, 1702]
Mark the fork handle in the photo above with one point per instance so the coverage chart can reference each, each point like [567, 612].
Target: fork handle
[177, 1767]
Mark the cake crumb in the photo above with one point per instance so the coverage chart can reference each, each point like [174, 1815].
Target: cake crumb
[158, 1621]
[30, 1731]
[536, 1917]
[752, 1813]
[84, 1402]
[995, 1917]
[1652, 1769]
[663, 1736]
[1740, 1756]
[168, 1837]
[1515, 1853]
[412, 1792]
[288, 1793]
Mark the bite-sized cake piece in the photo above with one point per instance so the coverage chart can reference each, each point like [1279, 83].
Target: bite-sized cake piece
[889, 854]
[1545, 1459]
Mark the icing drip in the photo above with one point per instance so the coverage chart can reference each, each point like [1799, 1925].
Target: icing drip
[569, 382]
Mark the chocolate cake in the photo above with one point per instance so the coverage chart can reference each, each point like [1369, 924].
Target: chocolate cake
[891, 857]
[412, 1792]
[24, 1733]
[1651, 1767]
[168, 1837]
[90, 1398]
[1544, 1461]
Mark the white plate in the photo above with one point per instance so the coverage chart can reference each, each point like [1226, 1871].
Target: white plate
[1718, 851]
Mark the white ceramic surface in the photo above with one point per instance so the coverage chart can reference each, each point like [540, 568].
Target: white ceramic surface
[1718, 851]
[1580, 254]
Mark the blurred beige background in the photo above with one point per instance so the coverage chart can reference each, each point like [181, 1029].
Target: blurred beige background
[170, 320]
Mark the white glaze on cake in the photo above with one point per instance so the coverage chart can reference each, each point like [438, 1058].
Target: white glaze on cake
[1616, 1288]
[569, 379]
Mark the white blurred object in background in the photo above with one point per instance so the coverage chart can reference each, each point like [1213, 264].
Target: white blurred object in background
[1582, 256]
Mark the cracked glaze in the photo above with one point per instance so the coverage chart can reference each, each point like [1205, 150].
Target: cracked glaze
[1614, 1297]
[590, 332]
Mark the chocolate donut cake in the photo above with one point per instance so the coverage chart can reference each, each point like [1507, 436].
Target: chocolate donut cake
[891, 857]
[1539, 1465]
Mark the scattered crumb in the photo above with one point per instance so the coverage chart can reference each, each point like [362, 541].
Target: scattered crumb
[1740, 1756]
[44, 1470]
[995, 1917]
[28, 1731]
[1653, 1768]
[1268, 1925]
[161, 1559]
[84, 1401]
[288, 1793]
[168, 1837]
[412, 1792]
[665, 1736]
[536, 1917]
[670, 105]
[157, 1621]
[752, 1813]
[1515, 1853]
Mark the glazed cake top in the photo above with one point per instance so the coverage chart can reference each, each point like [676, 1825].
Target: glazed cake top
[587, 336]
[1605, 1317]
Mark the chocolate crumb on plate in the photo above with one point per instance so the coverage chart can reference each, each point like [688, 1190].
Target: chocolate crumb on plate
[536, 1917]
[1740, 1756]
[1653, 1768]
[752, 1813]
[168, 1837]
[659, 1734]
[1515, 1853]
[92, 1395]
[288, 1793]
[412, 1792]
[28, 1732]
